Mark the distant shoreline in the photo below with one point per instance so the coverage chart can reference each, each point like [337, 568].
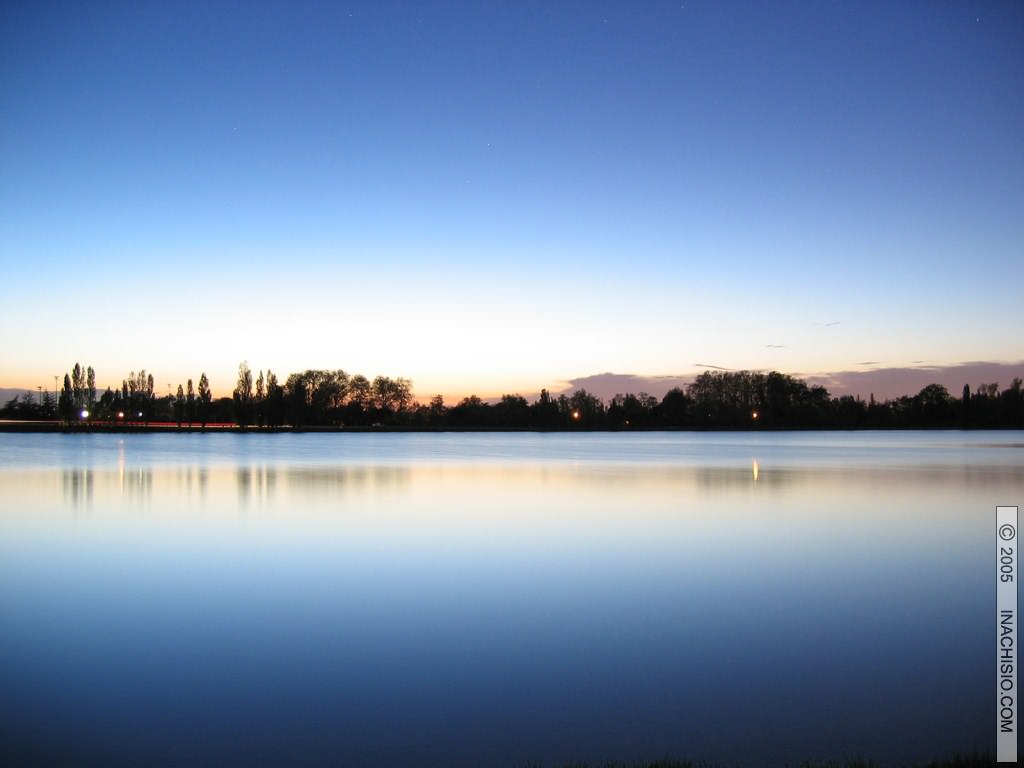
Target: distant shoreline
[55, 427]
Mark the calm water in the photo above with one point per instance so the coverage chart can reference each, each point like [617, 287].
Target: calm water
[466, 600]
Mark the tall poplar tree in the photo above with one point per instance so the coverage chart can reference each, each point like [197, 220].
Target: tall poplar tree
[205, 398]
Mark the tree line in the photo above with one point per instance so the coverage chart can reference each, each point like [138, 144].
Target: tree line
[335, 398]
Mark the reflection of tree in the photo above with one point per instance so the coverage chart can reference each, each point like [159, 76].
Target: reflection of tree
[243, 483]
[77, 485]
[258, 486]
[255, 483]
[137, 484]
[341, 481]
[203, 481]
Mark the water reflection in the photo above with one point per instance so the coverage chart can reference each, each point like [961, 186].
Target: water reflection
[551, 607]
[317, 481]
[485, 492]
[243, 477]
[77, 485]
[80, 485]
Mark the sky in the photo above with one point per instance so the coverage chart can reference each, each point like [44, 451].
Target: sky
[503, 196]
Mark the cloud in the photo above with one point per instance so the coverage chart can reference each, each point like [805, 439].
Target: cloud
[883, 383]
[888, 383]
[607, 385]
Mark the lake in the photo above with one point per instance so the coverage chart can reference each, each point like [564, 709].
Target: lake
[499, 599]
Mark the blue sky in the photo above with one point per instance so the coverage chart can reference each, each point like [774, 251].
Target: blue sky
[491, 197]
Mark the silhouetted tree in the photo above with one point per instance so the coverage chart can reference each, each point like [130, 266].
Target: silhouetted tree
[90, 388]
[274, 408]
[28, 406]
[297, 399]
[849, 412]
[707, 397]
[984, 405]
[49, 410]
[674, 410]
[190, 402]
[1012, 401]
[205, 400]
[545, 411]
[179, 405]
[436, 411]
[359, 391]
[317, 397]
[471, 411]
[629, 410]
[260, 404]
[582, 410]
[512, 411]
[243, 395]
[140, 397]
[109, 405]
[66, 403]
[78, 387]
[932, 406]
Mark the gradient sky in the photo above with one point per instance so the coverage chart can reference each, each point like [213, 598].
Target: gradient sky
[502, 196]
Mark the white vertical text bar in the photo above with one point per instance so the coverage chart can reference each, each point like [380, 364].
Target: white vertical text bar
[1006, 635]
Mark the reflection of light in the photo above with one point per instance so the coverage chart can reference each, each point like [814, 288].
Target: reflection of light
[757, 470]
